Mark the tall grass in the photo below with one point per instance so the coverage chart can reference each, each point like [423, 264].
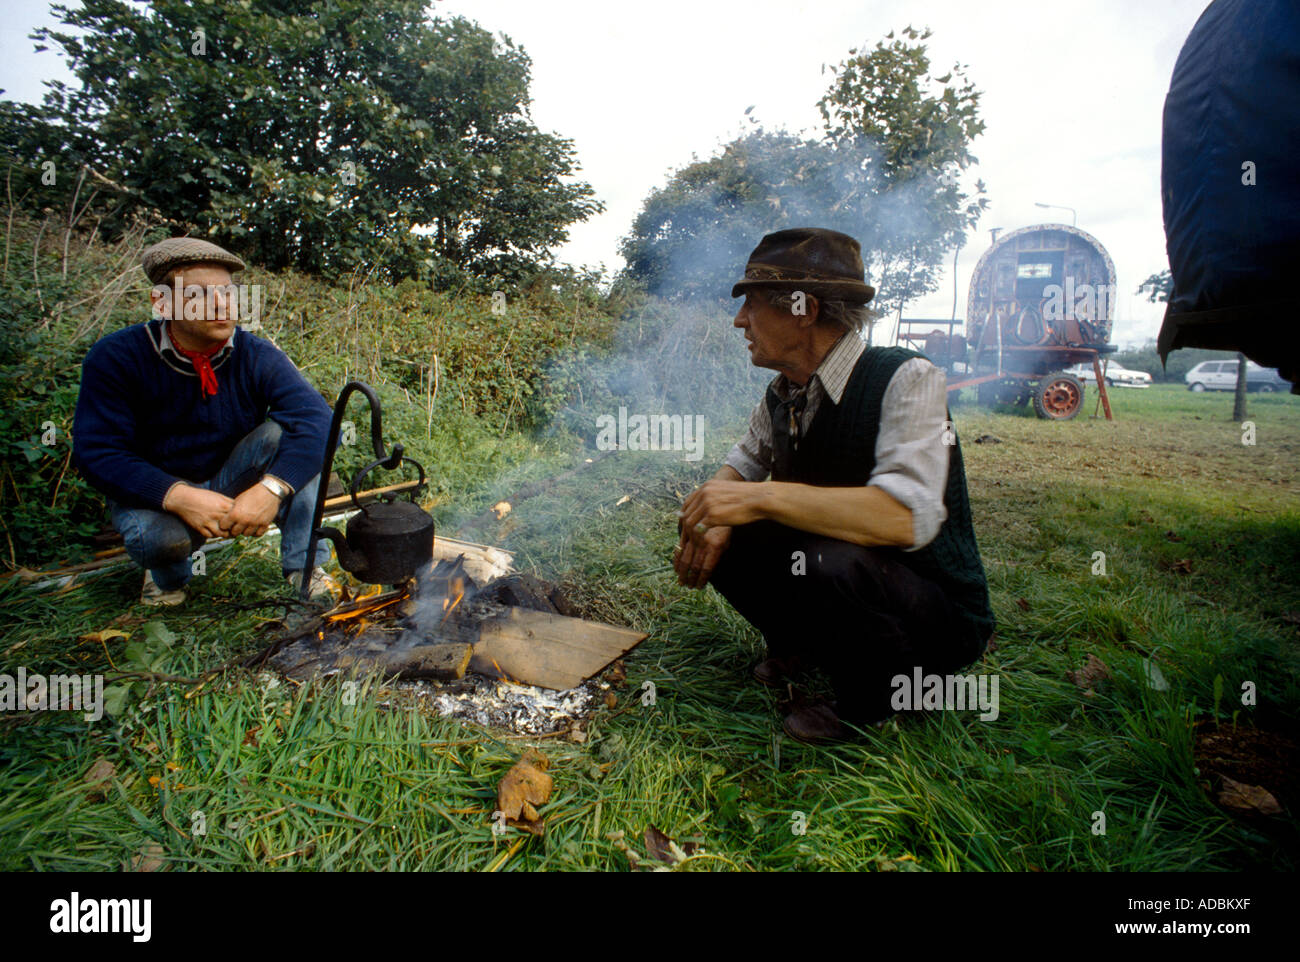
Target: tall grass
[294, 778]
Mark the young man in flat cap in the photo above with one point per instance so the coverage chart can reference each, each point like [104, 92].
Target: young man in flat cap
[858, 554]
[194, 428]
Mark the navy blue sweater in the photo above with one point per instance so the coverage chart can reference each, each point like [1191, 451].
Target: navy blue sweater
[142, 422]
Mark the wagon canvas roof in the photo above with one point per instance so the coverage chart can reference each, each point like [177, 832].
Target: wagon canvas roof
[982, 265]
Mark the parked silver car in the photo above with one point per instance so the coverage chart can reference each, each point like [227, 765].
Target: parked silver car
[1222, 376]
[1113, 373]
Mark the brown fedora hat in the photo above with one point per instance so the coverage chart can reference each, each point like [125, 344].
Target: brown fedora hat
[822, 262]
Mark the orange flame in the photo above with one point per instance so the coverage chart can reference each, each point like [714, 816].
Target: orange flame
[362, 610]
[455, 592]
[502, 672]
[366, 604]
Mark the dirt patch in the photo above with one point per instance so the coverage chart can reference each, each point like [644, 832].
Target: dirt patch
[1249, 756]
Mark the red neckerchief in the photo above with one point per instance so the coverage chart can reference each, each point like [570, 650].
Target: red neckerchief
[201, 361]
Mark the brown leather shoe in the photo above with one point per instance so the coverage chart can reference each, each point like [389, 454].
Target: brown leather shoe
[818, 724]
[774, 672]
[815, 725]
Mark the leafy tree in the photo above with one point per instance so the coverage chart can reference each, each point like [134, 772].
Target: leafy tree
[318, 134]
[1157, 287]
[884, 171]
[905, 147]
[29, 140]
[691, 237]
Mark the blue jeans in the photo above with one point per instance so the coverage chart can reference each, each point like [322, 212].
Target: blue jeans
[163, 543]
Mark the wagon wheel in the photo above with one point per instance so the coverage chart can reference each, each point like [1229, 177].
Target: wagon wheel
[1059, 397]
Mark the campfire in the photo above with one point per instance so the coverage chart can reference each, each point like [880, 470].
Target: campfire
[469, 637]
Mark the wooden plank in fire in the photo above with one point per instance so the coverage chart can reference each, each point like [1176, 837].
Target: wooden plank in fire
[483, 563]
[546, 650]
[445, 661]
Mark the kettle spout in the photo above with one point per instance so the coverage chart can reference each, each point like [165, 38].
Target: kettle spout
[353, 562]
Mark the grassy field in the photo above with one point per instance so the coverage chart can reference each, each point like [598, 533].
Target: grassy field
[1201, 541]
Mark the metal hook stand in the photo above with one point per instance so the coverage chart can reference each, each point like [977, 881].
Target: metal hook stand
[388, 461]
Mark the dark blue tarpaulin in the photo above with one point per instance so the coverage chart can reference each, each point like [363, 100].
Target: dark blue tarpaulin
[1230, 184]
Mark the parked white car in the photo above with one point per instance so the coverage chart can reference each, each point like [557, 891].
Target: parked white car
[1115, 375]
[1222, 376]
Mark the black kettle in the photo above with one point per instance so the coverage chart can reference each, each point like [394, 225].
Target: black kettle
[388, 542]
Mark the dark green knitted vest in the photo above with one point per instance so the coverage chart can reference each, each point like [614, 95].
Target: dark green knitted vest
[839, 450]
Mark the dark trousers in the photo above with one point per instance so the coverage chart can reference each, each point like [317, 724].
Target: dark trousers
[163, 543]
[861, 614]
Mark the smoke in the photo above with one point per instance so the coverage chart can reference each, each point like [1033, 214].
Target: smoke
[693, 235]
[684, 364]
[676, 352]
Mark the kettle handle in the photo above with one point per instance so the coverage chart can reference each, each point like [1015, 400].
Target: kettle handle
[395, 460]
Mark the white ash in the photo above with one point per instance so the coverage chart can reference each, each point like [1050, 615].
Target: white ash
[494, 703]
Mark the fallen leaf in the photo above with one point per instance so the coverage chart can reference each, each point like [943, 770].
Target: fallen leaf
[1249, 799]
[149, 858]
[501, 509]
[611, 699]
[103, 637]
[623, 500]
[524, 787]
[660, 847]
[250, 736]
[97, 777]
[1090, 674]
[15, 646]
[656, 845]
[1024, 605]
[173, 767]
[1183, 566]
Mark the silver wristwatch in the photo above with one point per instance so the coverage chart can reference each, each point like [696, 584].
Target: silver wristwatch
[277, 488]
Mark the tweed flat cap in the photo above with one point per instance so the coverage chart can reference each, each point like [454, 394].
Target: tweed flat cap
[822, 262]
[177, 251]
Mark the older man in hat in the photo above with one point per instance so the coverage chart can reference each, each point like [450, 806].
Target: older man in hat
[194, 428]
[858, 555]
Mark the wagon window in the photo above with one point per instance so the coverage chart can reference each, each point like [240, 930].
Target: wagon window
[1006, 280]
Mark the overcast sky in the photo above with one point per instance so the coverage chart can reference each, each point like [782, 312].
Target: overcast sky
[1072, 97]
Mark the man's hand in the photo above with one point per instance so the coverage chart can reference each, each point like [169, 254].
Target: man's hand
[724, 503]
[697, 554]
[252, 512]
[203, 510]
[704, 539]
